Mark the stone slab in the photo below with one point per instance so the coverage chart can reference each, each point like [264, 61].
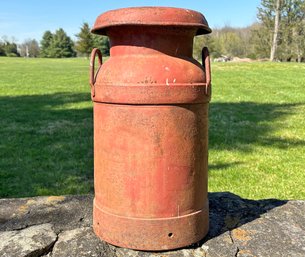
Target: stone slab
[238, 227]
[32, 241]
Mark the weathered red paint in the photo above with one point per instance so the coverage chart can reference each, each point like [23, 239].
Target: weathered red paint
[151, 129]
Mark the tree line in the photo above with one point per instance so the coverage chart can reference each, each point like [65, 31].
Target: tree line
[56, 45]
[278, 35]
[284, 22]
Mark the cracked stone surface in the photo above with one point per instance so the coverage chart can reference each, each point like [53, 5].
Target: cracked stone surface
[61, 226]
[80, 242]
[32, 241]
[64, 212]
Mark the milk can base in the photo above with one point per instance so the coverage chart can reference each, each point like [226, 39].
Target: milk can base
[150, 234]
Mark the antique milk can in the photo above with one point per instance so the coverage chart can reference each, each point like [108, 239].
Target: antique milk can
[150, 129]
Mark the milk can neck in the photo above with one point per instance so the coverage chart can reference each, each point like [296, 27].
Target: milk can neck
[135, 40]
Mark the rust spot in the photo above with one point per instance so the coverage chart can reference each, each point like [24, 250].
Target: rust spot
[23, 209]
[30, 202]
[246, 252]
[241, 234]
[55, 199]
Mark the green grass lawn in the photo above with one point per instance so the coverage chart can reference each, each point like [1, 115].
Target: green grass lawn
[257, 129]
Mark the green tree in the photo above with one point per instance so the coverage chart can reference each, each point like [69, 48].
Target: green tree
[46, 43]
[229, 41]
[282, 24]
[10, 49]
[299, 42]
[2, 52]
[260, 41]
[102, 43]
[85, 42]
[293, 36]
[202, 41]
[62, 45]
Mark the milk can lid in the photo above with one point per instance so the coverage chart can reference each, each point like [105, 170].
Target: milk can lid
[151, 16]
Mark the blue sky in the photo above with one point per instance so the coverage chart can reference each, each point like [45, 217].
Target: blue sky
[31, 18]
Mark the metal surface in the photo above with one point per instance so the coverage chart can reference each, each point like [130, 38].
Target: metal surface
[95, 52]
[207, 66]
[150, 130]
[160, 16]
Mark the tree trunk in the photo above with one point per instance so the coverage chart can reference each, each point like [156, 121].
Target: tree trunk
[276, 30]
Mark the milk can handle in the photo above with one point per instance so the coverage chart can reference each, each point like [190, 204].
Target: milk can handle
[93, 75]
[207, 67]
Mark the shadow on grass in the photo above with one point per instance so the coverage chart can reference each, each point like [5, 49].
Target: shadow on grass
[237, 126]
[46, 140]
[46, 145]
[222, 166]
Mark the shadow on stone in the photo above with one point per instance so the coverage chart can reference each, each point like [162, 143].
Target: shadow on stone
[238, 227]
[229, 211]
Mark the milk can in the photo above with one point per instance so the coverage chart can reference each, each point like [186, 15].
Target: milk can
[150, 129]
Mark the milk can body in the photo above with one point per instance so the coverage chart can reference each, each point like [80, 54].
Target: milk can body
[151, 129]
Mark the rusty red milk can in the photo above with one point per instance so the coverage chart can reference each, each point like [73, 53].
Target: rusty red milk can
[151, 129]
